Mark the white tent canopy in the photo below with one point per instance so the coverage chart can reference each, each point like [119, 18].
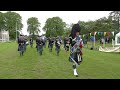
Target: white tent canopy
[117, 39]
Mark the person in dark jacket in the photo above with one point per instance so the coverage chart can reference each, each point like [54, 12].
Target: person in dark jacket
[57, 45]
[76, 43]
[31, 42]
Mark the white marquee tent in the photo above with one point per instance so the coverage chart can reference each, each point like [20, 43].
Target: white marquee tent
[117, 39]
[4, 36]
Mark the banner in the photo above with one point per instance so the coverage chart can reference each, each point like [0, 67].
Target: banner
[113, 33]
[99, 33]
[108, 33]
[95, 33]
[104, 33]
[90, 34]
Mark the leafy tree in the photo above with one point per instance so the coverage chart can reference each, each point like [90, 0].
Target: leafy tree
[10, 21]
[33, 26]
[116, 17]
[54, 27]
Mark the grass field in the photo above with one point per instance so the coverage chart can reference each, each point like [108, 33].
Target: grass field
[96, 65]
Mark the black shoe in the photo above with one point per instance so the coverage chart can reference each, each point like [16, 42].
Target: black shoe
[79, 62]
[76, 75]
[81, 58]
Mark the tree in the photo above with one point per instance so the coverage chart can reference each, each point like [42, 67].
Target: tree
[54, 27]
[87, 27]
[12, 20]
[33, 26]
[67, 30]
[2, 23]
[116, 16]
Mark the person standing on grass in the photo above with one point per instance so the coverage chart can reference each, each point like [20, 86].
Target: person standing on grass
[24, 40]
[76, 47]
[57, 45]
[37, 42]
[67, 44]
[40, 44]
[44, 40]
[50, 44]
[21, 44]
[31, 42]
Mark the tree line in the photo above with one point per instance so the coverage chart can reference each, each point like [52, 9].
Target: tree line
[55, 26]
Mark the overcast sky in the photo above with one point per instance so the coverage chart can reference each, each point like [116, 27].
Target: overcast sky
[67, 16]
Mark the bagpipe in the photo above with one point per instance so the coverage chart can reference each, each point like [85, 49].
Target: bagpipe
[58, 43]
[76, 49]
[77, 45]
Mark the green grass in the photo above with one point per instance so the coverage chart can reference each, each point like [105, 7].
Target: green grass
[96, 65]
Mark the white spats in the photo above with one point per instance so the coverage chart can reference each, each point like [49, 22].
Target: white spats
[75, 72]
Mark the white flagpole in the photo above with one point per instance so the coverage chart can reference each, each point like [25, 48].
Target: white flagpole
[16, 31]
[94, 39]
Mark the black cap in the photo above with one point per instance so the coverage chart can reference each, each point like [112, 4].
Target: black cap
[75, 28]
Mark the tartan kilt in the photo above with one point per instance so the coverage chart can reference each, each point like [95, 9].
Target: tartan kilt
[74, 56]
[67, 48]
[40, 47]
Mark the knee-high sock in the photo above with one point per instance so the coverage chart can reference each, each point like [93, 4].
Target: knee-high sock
[75, 72]
[74, 66]
[74, 69]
